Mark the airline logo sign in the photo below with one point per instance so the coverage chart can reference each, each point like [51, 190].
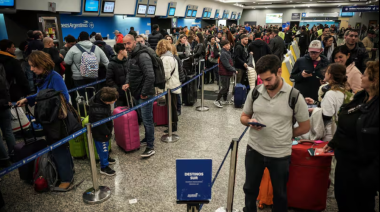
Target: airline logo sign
[85, 24]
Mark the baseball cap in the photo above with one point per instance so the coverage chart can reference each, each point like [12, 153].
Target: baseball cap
[315, 46]
[116, 32]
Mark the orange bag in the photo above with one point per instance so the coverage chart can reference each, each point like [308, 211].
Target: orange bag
[265, 197]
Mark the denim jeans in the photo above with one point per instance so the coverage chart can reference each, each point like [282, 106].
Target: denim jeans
[30, 76]
[102, 149]
[255, 164]
[64, 162]
[147, 118]
[6, 129]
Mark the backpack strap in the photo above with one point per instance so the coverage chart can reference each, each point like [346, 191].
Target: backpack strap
[81, 48]
[293, 99]
[93, 49]
[256, 93]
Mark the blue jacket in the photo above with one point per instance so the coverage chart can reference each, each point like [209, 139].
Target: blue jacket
[56, 83]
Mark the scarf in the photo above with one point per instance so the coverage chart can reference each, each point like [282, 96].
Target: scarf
[7, 54]
[40, 80]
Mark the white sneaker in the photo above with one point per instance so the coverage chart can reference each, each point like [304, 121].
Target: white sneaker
[232, 99]
[223, 102]
[218, 104]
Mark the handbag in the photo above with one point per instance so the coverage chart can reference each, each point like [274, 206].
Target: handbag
[252, 74]
[23, 119]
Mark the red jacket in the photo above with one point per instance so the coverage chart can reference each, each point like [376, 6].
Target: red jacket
[119, 38]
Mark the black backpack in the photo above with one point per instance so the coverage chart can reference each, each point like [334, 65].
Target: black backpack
[158, 66]
[293, 98]
[49, 104]
[181, 70]
[4, 87]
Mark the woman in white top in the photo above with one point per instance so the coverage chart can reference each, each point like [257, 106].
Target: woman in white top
[333, 98]
[164, 50]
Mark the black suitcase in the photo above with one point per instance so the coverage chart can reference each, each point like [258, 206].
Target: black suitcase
[189, 92]
[188, 65]
[25, 149]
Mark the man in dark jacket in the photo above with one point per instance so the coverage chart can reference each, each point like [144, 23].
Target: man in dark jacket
[277, 45]
[100, 108]
[15, 76]
[358, 55]
[140, 80]
[303, 42]
[133, 32]
[241, 58]
[226, 71]
[117, 72]
[288, 38]
[36, 44]
[107, 49]
[54, 54]
[259, 48]
[155, 37]
[307, 72]
[13, 86]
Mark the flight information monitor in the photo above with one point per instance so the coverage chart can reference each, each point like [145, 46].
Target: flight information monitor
[91, 5]
[142, 9]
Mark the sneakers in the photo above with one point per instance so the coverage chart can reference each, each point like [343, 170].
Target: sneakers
[232, 99]
[218, 104]
[111, 161]
[107, 171]
[148, 153]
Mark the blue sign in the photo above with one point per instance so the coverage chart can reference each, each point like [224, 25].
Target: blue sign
[189, 12]
[194, 178]
[361, 9]
[172, 11]
[7, 3]
[91, 6]
[303, 15]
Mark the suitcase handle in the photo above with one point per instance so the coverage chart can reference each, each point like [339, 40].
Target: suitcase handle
[130, 97]
[306, 141]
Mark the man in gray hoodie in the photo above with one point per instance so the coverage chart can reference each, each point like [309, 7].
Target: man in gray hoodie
[74, 57]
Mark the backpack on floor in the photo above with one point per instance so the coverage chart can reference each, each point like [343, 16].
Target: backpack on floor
[45, 173]
[89, 67]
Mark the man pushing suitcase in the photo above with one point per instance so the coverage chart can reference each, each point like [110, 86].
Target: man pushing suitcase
[274, 105]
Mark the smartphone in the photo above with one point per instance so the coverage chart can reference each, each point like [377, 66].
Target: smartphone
[312, 106]
[257, 124]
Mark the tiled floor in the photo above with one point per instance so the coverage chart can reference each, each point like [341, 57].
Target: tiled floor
[152, 182]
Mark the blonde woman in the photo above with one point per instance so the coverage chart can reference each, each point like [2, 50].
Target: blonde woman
[164, 50]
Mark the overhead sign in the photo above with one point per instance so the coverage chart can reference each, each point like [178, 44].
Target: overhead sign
[361, 9]
[318, 15]
[194, 177]
[296, 16]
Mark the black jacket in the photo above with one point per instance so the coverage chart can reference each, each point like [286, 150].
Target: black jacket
[154, 38]
[241, 56]
[107, 49]
[360, 57]
[303, 41]
[34, 45]
[182, 49]
[226, 67]
[364, 149]
[54, 54]
[288, 36]
[19, 85]
[140, 76]
[308, 86]
[277, 46]
[259, 49]
[199, 51]
[99, 111]
[117, 73]
[132, 32]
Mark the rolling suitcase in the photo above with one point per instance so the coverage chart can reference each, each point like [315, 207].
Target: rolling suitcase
[308, 178]
[189, 92]
[127, 132]
[160, 114]
[265, 197]
[240, 94]
[25, 149]
[188, 65]
[77, 145]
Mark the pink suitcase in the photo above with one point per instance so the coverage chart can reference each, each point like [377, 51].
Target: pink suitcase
[127, 133]
[160, 114]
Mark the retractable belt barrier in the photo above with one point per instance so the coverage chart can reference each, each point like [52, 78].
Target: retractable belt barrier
[84, 130]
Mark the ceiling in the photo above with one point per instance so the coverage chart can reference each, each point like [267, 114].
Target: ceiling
[277, 4]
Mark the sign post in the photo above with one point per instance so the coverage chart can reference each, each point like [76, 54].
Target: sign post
[194, 180]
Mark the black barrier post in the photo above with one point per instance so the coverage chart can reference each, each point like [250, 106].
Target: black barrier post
[97, 194]
[170, 137]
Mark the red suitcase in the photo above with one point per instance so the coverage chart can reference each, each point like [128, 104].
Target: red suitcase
[308, 178]
[160, 114]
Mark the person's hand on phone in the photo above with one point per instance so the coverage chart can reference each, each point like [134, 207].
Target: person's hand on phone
[309, 101]
[125, 87]
[255, 127]
[306, 75]
[22, 102]
[327, 149]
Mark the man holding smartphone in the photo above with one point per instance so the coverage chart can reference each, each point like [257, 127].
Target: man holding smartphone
[307, 72]
[270, 144]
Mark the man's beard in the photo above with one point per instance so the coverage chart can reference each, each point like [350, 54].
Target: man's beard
[275, 86]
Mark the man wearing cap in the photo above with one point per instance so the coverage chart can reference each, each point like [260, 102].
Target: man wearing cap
[307, 72]
[369, 44]
[118, 36]
[303, 41]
